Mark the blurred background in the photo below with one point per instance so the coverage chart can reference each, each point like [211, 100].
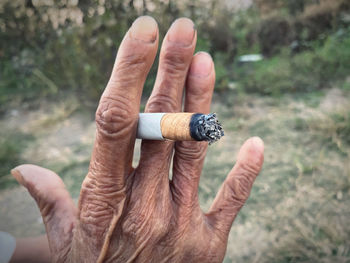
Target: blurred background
[283, 73]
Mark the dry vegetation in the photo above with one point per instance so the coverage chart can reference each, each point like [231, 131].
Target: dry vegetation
[298, 208]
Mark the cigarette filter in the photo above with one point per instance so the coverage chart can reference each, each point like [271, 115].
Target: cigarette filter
[181, 126]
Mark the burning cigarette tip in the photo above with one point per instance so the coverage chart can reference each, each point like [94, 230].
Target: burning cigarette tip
[206, 128]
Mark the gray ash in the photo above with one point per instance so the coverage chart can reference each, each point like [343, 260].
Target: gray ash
[206, 128]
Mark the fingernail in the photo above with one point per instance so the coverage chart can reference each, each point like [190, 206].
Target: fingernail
[144, 28]
[201, 65]
[182, 32]
[258, 143]
[17, 175]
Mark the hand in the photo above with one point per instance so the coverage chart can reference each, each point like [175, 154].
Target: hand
[139, 215]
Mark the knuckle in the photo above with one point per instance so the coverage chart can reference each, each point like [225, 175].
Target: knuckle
[105, 191]
[162, 103]
[114, 116]
[249, 170]
[145, 218]
[46, 208]
[96, 213]
[175, 60]
[134, 63]
[137, 224]
[100, 200]
[131, 226]
[103, 185]
[200, 89]
[136, 219]
[160, 227]
[239, 189]
[200, 94]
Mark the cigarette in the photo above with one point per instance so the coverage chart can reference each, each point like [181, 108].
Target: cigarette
[182, 126]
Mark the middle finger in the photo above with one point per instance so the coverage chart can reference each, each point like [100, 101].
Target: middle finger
[174, 60]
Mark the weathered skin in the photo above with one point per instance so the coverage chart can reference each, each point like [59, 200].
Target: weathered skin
[139, 215]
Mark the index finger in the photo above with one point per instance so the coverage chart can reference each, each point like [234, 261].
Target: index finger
[116, 121]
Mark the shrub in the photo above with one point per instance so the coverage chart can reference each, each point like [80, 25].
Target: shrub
[310, 70]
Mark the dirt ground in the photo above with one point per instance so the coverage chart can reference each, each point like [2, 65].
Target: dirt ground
[300, 196]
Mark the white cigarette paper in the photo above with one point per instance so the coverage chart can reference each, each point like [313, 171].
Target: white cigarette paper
[149, 126]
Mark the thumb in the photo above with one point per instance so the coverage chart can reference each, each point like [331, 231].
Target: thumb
[55, 204]
[235, 190]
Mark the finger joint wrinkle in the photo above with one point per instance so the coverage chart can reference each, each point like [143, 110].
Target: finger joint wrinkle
[131, 63]
[237, 192]
[114, 117]
[162, 102]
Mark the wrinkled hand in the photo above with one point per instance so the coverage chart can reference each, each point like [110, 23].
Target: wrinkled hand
[139, 215]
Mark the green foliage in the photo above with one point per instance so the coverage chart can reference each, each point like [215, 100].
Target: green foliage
[45, 57]
[221, 72]
[71, 57]
[306, 71]
[11, 147]
[271, 76]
